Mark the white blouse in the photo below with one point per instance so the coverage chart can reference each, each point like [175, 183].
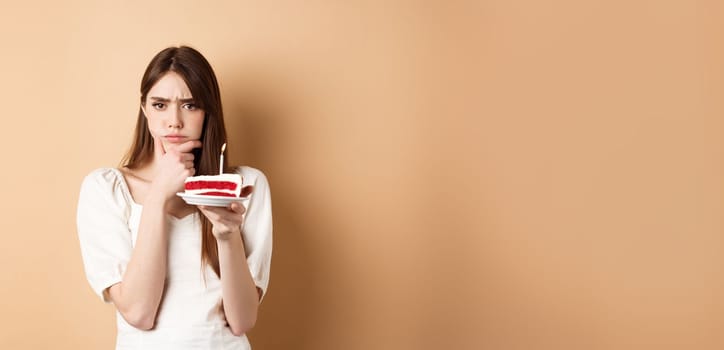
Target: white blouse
[190, 315]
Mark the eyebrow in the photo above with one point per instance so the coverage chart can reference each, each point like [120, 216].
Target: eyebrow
[162, 99]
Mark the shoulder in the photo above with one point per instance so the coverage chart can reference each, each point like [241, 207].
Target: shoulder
[103, 178]
[105, 182]
[103, 175]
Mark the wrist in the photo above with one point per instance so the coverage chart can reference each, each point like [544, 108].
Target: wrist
[156, 200]
[229, 239]
[161, 191]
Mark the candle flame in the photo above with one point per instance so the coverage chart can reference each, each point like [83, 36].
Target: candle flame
[223, 148]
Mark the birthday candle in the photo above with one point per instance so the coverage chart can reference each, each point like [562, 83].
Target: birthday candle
[221, 162]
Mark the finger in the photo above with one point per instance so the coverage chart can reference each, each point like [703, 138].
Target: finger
[158, 148]
[221, 221]
[222, 214]
[188, 146]
[210, 213]
[225, 220]
[187, 156]
[237, 208]
[189, 164]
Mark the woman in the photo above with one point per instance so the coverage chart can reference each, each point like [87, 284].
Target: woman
[180, 276]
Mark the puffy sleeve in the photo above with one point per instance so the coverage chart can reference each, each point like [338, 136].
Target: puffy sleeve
[257, 229]
[103, 231]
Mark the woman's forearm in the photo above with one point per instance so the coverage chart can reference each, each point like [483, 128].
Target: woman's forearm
[138, 296]
[238, 290]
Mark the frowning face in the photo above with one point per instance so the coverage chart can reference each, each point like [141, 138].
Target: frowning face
[171, 112]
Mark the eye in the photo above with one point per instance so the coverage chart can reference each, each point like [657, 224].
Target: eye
[158, 105]
[189, 106]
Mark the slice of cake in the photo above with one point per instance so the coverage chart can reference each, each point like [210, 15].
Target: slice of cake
[227, 185]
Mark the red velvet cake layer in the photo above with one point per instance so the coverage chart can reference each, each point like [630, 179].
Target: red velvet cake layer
[217, 185]
[212, 193]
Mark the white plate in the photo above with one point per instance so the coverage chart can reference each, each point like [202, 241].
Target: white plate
[212, 201]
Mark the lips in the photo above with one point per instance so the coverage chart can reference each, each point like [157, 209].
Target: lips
[175, 138]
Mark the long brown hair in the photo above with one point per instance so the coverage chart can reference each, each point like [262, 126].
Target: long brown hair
[196, 71]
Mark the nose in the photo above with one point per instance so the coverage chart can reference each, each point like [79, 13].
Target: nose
[174, 119]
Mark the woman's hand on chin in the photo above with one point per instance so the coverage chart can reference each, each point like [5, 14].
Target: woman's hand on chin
[173, 166]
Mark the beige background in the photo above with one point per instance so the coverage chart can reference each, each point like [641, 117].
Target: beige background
[503, 174]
